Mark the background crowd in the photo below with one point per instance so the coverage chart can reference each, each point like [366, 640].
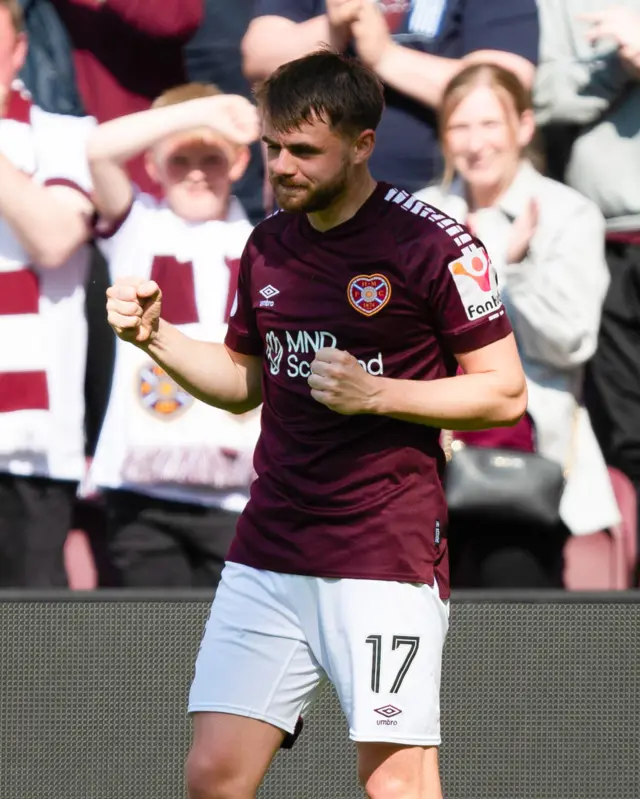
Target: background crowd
[520, 119]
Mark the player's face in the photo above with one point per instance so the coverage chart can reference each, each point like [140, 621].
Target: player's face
[309, 168]
[195, 172]
[13, 49]
[484, 138]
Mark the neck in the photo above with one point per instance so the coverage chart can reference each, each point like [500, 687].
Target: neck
[358, 191]
[487, 196]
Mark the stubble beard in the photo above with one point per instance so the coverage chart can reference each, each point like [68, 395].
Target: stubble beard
[318, 199]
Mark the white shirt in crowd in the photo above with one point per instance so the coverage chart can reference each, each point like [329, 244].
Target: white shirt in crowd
[156, 439]
[554, 299]
[42, 316]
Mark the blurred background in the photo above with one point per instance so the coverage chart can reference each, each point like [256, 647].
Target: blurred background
[518, 118]
[544, 167]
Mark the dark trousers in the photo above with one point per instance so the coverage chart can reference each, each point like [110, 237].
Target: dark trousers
[612, 388]
[503, 555]
[155, 543]
[35, 518]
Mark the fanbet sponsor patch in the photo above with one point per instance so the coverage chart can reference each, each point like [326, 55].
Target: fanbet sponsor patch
[477, 285]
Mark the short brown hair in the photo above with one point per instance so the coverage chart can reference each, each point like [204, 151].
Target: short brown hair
[326, 86]
[507, 86]
[184, 93]
[15, 12]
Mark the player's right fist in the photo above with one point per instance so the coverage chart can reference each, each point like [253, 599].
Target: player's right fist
[133, 308]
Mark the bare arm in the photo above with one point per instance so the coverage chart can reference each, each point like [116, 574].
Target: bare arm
[210, 372]
[113, 143]
[421, 76]
[50, 222]
[272, 41]
[491, 393]
[161, 18]
[424, 77]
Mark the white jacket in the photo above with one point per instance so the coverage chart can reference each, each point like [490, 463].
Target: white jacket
[554, 298]
[578, 83]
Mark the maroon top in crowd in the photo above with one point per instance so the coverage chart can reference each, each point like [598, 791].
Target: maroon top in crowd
[126, 53]
[402, 288]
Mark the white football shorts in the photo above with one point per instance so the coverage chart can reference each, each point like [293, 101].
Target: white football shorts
[272, 640]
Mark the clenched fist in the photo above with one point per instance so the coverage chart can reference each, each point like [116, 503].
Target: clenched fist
[338, 381]
[234, 117]
[133, 308]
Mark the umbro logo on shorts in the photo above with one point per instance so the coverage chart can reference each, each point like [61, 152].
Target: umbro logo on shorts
[388, 711]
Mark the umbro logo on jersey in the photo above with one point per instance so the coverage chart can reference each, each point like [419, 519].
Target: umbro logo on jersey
[268, 292]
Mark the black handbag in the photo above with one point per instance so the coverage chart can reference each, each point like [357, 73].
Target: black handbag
[487, 484]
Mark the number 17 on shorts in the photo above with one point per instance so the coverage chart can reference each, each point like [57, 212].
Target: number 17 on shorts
[394, 696]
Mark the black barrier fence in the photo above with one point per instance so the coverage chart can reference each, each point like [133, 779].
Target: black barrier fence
[540, 700]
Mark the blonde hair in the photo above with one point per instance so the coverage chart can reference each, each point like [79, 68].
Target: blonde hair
[184, 93]
[510, 92]
[15, 12]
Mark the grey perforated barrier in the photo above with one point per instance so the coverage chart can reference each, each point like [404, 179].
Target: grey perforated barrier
[541, 700]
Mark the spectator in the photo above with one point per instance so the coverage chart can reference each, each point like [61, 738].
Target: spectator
[213, 56]
[588, 97]
[48, 71]
[126, 52]
[45, 216]
[175, 472]
[415, 47]
[547, 244]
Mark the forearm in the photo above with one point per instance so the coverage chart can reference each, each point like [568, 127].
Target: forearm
[421, 76]
[424, 77]
[464, 402]
[161, 18]
[113, 143]
[126, 137]
[273, 41]
[205, 369]
[47, 229]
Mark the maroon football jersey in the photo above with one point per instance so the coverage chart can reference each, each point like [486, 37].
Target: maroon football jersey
[402, 288]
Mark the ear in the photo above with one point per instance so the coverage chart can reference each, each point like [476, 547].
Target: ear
[526, 128]
[240, 163]
[363, 146]
[19, 54]
[151, 166]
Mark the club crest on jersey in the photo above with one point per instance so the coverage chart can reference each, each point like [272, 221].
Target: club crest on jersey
[160, 394]
[368, 294]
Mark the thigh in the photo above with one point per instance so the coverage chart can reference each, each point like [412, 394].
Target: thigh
[144, 548]
[382, 649]
[254, 660]
[47, 507]
[229, 755]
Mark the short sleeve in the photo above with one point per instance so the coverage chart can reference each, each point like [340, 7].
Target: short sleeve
[501, 25]
[61, 149]
[464, 300]
[295, 10]
[242, 330]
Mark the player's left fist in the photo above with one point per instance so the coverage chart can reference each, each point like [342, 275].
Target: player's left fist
[338, 381]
